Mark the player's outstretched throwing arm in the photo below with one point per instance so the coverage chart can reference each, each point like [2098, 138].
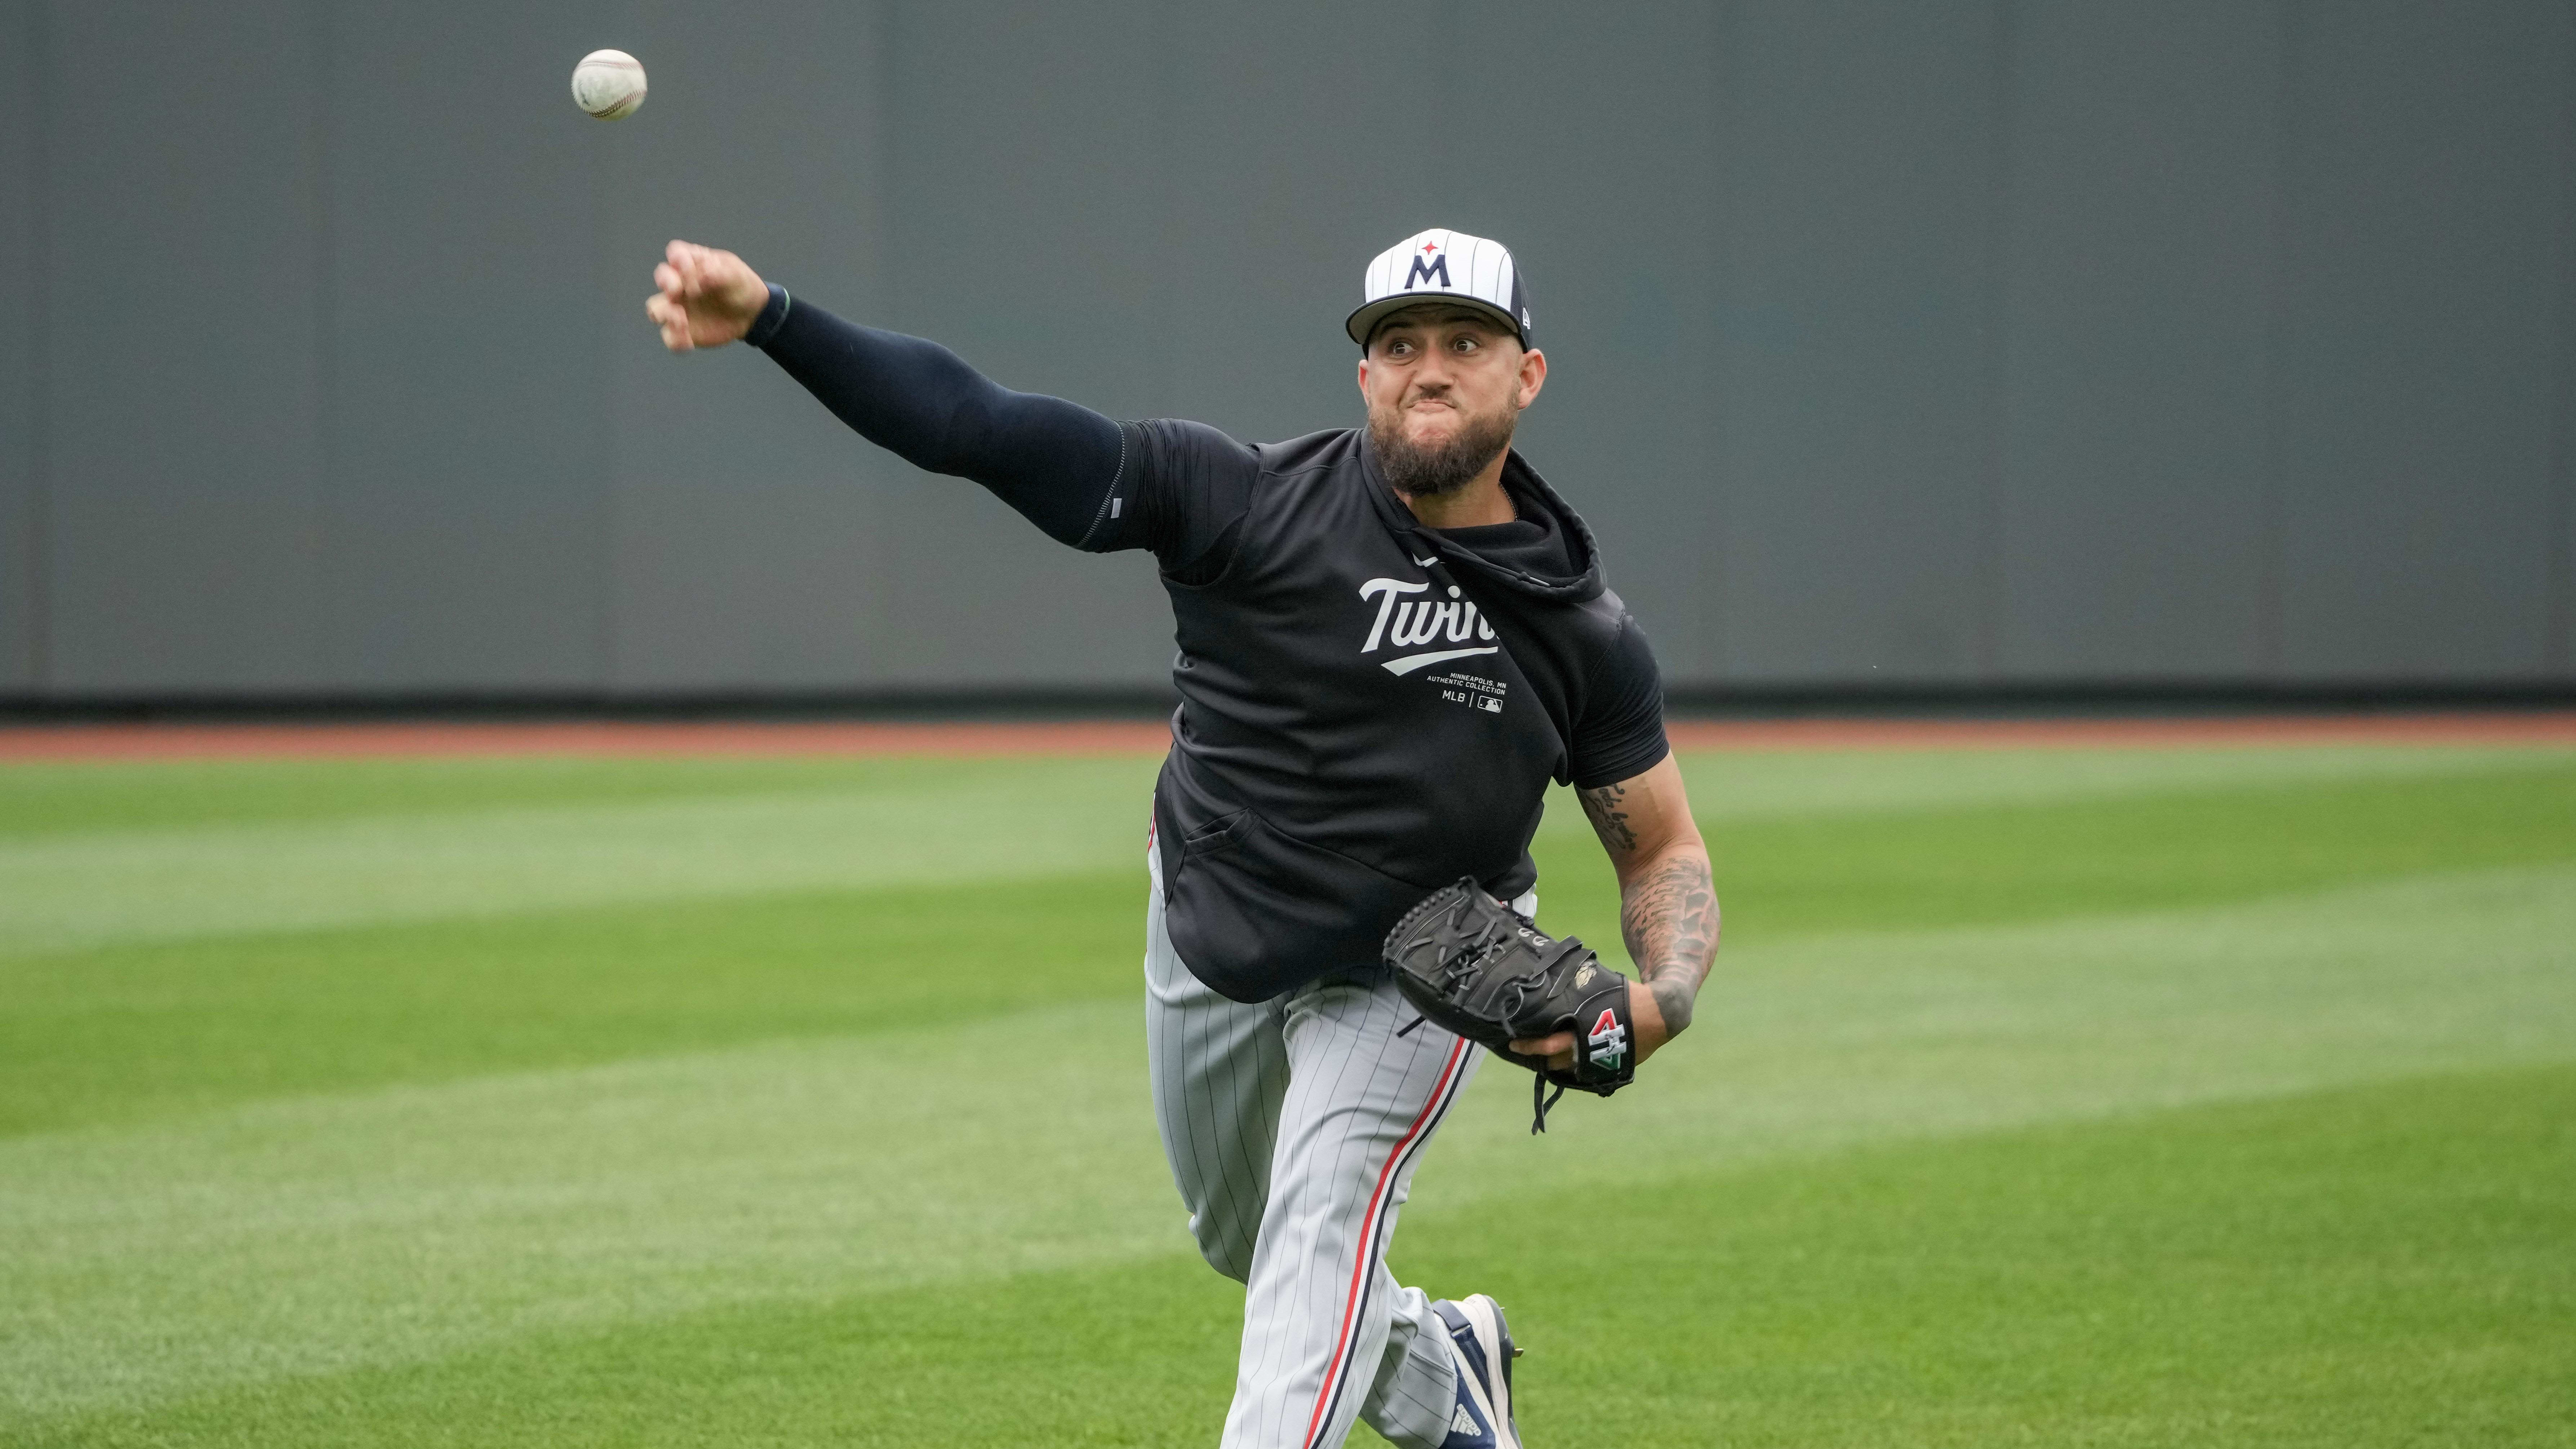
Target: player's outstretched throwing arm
[1667, 903]
[1054, 461]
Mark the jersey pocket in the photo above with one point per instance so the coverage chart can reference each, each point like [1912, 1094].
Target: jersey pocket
[1221, 834]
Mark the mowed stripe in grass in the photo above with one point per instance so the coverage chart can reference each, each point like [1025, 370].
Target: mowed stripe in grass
[138, 1032]
[2375, 1266]
[726, 944]
[1981, 863]
[91, 797]
[307, 1234]
[352, 843]
[65, 890]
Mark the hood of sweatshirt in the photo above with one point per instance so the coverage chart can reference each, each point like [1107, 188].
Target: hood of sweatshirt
[1536, 503]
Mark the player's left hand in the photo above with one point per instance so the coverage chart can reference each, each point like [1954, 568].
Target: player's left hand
[1643, 1013]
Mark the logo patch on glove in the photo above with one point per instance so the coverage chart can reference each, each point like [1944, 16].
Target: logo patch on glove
[1608, 1041]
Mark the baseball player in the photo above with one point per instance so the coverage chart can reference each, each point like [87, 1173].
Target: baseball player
[1391, 638]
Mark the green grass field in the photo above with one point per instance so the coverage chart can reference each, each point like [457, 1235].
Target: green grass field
[2054, 1097]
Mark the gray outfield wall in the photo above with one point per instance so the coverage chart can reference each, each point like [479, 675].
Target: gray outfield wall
[1894, 343]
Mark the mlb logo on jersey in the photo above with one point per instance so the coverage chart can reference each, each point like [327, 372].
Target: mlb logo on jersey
[1440, 265]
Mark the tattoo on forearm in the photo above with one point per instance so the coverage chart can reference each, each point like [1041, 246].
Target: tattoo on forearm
[1674, 999]
[1669, 918]
[1601, 804]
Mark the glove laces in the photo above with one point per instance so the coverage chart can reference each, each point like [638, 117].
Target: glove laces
[1509, 996]
[1541, 1099]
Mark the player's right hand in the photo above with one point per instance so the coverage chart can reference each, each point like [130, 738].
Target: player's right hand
[707, 297]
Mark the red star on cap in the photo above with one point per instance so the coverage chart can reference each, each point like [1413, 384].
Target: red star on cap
[1431, 246]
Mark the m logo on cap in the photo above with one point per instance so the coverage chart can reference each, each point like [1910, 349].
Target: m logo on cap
[1471, 271]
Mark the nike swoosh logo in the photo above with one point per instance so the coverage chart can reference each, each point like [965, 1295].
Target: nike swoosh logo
[1412, 662]
[1426, 562]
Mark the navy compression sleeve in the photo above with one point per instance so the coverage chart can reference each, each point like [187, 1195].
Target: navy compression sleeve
[1052, 460]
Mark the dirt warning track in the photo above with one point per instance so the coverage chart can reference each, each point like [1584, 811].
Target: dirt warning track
[1122, 737]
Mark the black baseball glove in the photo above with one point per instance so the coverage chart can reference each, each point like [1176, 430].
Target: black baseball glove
[1466, 962]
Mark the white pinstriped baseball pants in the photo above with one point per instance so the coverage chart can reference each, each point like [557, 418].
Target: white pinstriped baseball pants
[1293, 1127]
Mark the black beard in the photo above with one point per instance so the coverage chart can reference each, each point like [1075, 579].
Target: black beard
[1418, 470]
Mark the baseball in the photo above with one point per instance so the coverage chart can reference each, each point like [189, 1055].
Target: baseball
[609, 84]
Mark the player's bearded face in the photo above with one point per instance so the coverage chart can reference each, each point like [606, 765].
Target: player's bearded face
[1438, 415]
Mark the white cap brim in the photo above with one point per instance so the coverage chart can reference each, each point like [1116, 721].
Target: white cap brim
[1363, 323]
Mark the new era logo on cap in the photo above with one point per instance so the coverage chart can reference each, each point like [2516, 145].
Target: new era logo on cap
[1447, 266]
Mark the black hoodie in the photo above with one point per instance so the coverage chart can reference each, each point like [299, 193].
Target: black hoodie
[1370, 708]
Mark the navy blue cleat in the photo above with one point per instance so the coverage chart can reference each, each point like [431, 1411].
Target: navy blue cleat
[1482, 1345]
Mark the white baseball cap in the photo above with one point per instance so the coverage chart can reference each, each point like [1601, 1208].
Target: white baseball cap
[1440, 265]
